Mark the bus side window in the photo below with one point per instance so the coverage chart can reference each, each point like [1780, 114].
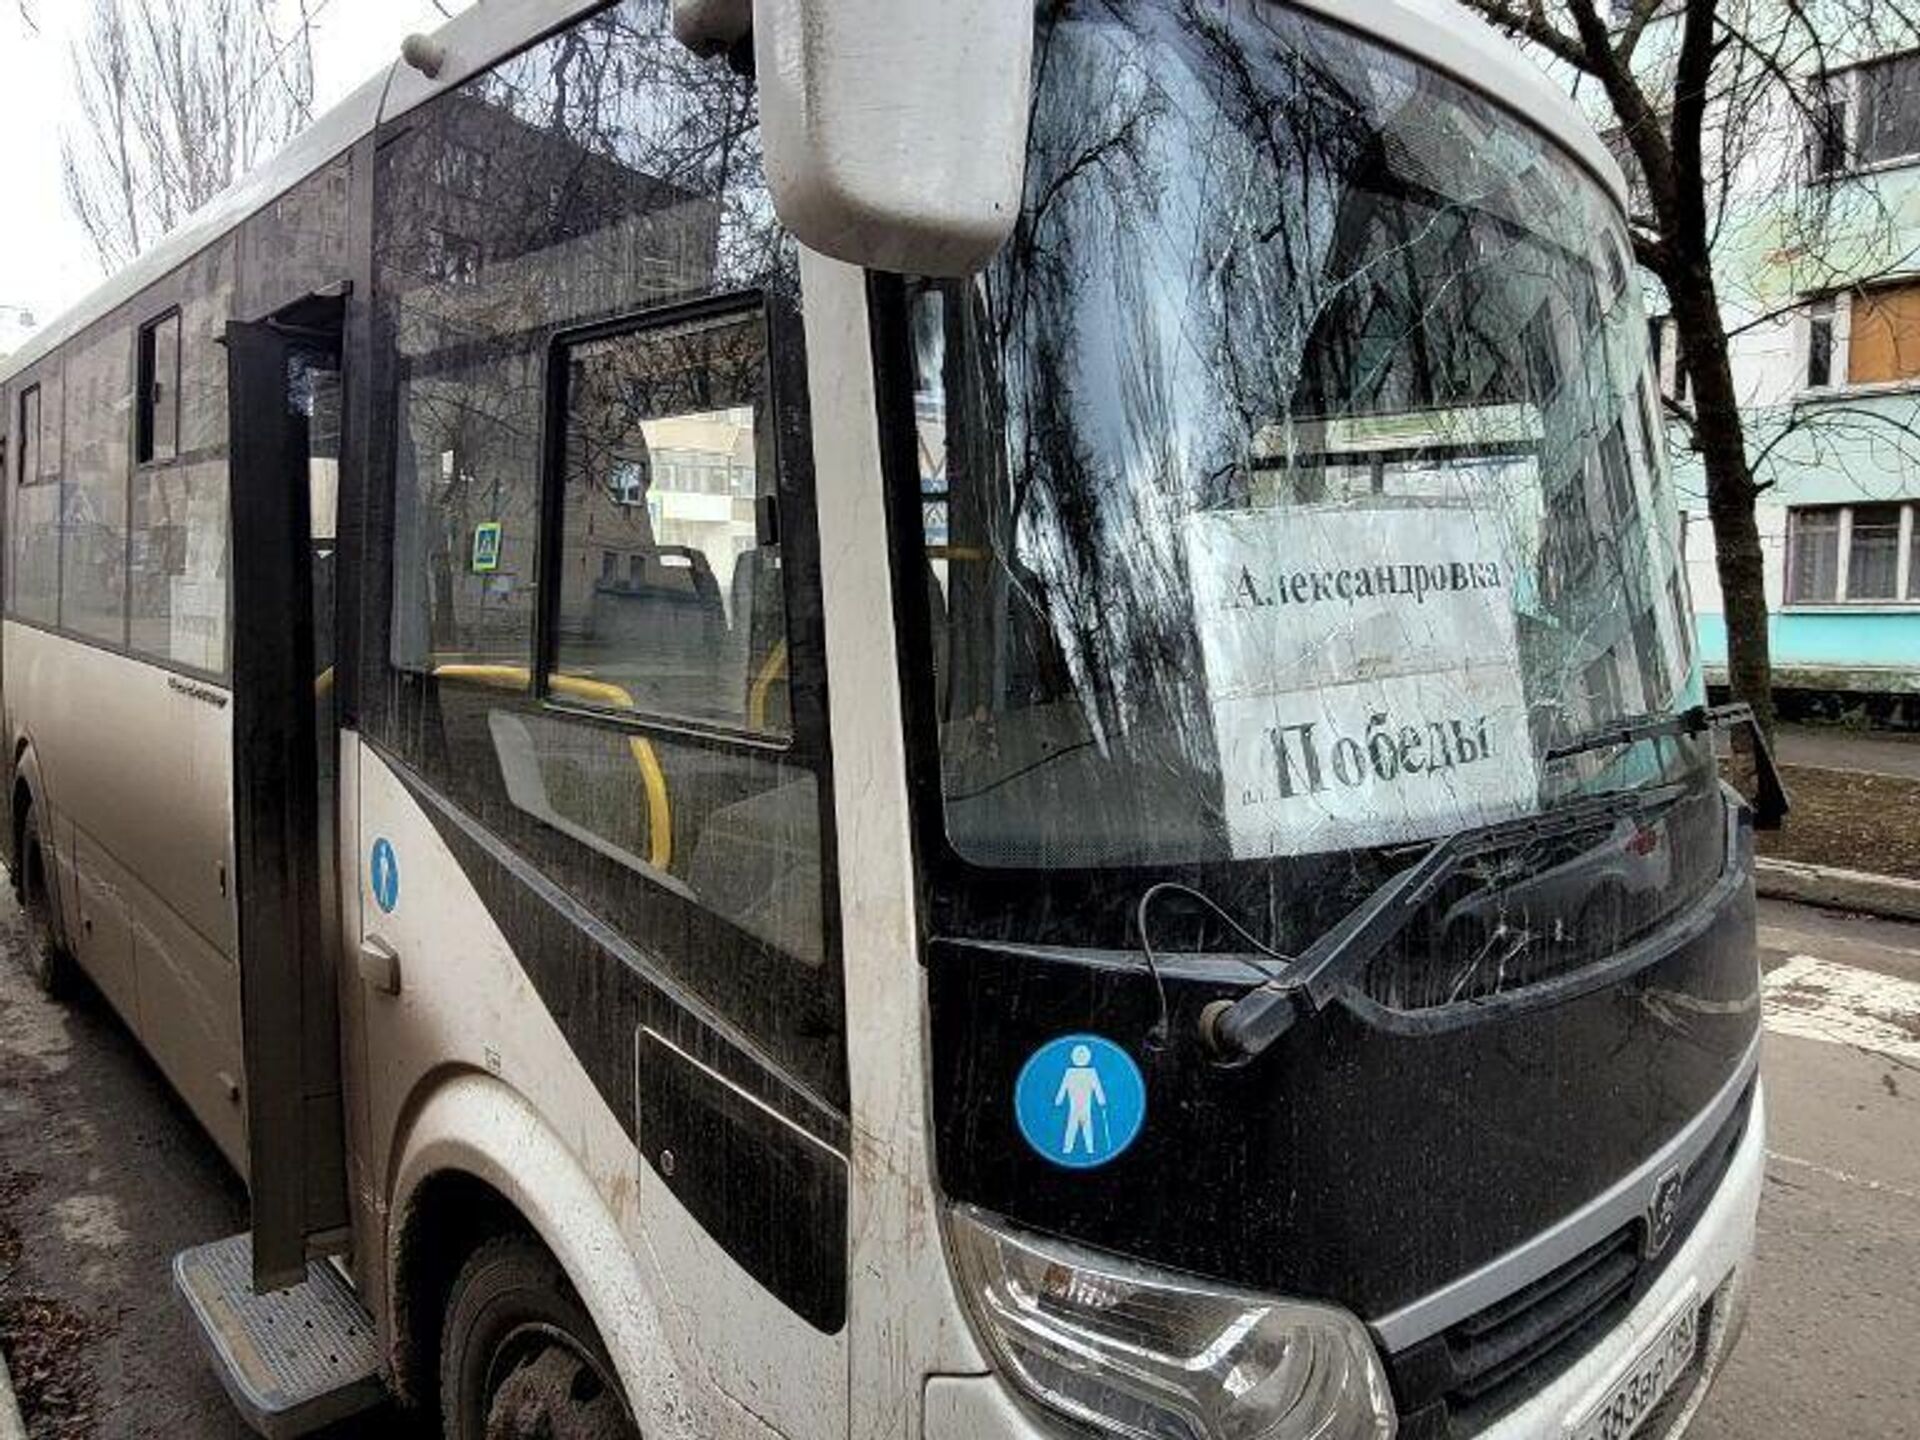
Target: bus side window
[34, 578]
[670, 607]
[670, 594]
[602, 639]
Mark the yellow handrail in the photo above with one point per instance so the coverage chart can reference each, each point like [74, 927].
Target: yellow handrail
[653, 778]
[772, 670]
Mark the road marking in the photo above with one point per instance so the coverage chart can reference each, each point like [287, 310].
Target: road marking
[1845, 1177]
[1815, 1000]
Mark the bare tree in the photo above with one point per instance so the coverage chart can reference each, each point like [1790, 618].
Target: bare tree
[177, 99]
[1717, 105]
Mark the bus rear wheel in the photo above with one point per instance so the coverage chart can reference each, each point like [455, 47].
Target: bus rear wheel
[519, 1357]
[47, 960]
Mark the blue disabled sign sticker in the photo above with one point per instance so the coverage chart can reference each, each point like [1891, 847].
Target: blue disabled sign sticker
[1080, 1101]
[383, 869]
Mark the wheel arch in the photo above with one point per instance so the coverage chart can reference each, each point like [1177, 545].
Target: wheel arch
[24, 791]
[477, 1160]
[27, 793]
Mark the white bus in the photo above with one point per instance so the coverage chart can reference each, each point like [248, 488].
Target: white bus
[913, 718]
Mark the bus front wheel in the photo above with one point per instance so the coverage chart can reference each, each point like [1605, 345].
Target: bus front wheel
[519, 1357]
[47, 960]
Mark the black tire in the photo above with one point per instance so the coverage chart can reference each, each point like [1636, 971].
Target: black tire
[519, 1357]
[47, 959]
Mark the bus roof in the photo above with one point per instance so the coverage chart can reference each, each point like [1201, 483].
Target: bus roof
[1440, 32]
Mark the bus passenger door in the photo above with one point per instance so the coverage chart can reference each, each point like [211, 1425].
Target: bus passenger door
[285, 386]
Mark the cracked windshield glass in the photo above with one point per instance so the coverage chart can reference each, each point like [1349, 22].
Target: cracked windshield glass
[1292, 482]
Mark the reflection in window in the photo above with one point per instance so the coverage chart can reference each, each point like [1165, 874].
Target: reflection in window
[33, 578]
[179, 565]
[93, 560]
[688, 621]
[600, 175]
[1284, 309]
[555, 190]
[732, 831]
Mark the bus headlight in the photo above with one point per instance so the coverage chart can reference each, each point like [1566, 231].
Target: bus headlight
[1156, 1355]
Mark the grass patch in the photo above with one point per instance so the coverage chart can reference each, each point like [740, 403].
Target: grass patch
[1853, 821]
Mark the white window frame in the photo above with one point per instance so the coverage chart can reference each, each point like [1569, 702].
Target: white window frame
[1903, 597]
[1839, 335]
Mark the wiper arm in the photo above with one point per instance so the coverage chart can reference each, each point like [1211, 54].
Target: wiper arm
[1771, 801]
[1238, 1030]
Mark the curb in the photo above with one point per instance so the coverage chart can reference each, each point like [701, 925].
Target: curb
[12, 1427]
[1883, 895]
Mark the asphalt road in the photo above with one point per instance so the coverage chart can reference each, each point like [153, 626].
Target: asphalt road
[103, 1177]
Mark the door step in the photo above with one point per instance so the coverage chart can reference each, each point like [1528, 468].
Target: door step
[292, 1360]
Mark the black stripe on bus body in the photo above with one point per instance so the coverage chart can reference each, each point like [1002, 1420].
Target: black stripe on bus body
[773, 1197]
[598, 986]
[757, 1160]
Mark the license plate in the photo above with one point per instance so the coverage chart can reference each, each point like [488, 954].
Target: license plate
[1618, 1410]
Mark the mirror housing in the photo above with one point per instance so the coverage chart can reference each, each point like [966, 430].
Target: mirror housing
[712, 27]
[895, 131]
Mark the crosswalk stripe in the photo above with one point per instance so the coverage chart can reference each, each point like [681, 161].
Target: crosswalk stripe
[1816, 1000]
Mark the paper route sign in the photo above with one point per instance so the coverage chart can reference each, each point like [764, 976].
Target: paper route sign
[1363, 670]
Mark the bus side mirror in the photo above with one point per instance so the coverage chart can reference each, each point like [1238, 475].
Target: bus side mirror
[895, 131]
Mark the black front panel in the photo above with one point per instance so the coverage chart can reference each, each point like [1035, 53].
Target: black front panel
[771, 1194]
[1366, 1159]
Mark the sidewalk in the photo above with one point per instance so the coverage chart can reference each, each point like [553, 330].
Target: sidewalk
[1860, 752]
[12, 1427]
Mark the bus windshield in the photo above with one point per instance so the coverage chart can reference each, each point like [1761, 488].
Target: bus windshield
[1293, 481]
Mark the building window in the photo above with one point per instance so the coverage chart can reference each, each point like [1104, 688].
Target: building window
[1869, 115]
[1883, 341]
[1668, 362]
[1873, 553]
[461, 170]
[1820, 343]
[451, 259]
[158, 423]
[1852, 554]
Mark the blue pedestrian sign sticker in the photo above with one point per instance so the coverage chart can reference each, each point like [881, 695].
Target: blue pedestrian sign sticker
[1080, 1101]
[383, 869]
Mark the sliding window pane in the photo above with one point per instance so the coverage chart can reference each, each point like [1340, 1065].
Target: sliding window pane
[670, 587]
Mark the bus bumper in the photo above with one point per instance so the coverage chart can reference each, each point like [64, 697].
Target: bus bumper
[1714, 1263]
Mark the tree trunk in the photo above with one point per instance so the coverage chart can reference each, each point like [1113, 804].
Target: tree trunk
[1720, 437]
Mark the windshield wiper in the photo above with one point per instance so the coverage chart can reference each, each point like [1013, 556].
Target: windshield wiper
[1770, 801]
[1238, 1030]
